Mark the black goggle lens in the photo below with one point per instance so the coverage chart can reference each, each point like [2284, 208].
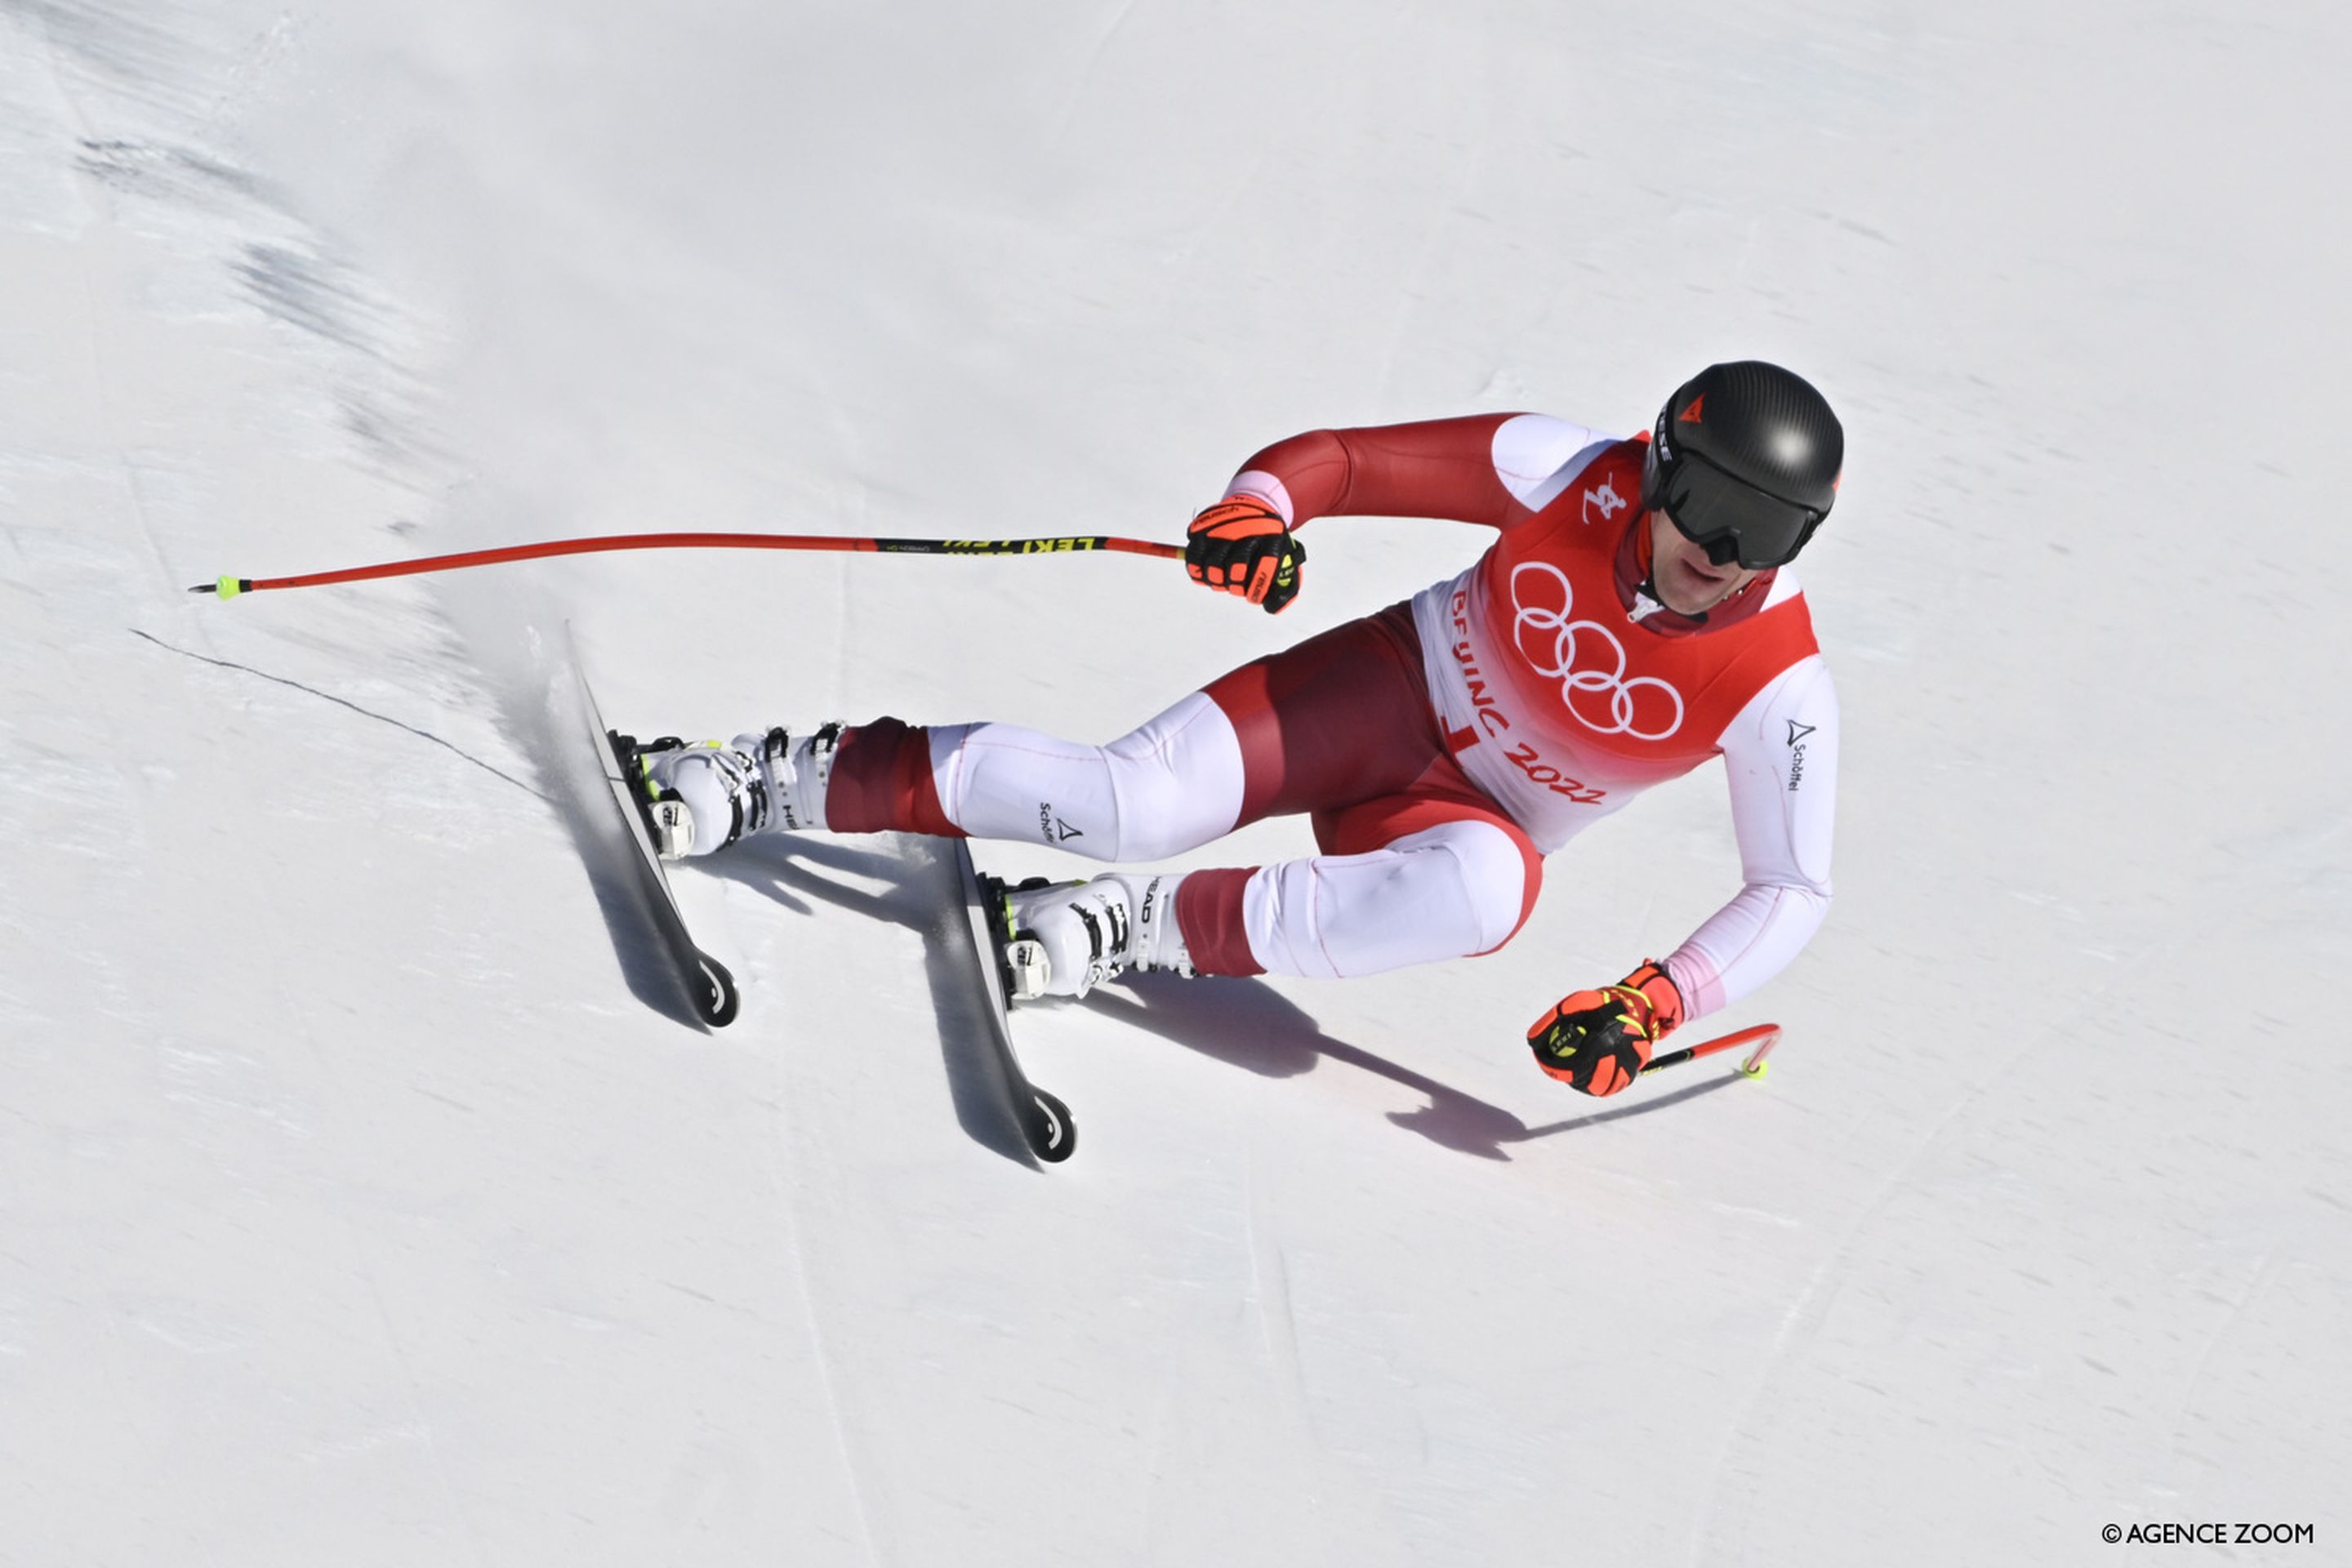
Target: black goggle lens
[1730, 518]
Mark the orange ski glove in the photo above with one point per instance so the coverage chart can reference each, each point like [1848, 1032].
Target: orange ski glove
[1241, 545]
[1596, 1042]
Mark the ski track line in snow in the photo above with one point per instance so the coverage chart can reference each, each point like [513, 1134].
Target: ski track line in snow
[1277, 1324]
[1798, 1326]
[1410, 297]
[1811, 1309]
[131, 482]
[408, 1380]
[1085, 73]
[289, 1005]
[783, 1189]
[346, 702]
[1805, 1316]
[2267, 1269]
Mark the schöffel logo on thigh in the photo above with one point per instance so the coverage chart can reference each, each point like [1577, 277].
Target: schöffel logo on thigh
[1586, 659]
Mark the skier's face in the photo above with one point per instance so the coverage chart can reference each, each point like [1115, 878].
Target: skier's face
[1687, 582]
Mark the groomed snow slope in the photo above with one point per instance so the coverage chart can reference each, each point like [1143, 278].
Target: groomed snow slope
[362, 1199]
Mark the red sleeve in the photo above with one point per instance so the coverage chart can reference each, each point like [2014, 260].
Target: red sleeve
[1436, 467]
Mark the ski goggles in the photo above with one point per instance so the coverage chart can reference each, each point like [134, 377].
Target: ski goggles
[1728, 518]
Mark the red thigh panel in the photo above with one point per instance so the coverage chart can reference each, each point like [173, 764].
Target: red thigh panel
[1343, 717]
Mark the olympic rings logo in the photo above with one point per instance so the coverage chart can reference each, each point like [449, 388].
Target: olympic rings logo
[1625, 707]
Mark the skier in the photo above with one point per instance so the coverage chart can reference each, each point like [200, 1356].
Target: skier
[1635, 617]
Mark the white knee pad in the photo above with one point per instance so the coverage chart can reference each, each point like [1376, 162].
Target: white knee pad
[1177, 781]
[1169, 786]
[1446, 892]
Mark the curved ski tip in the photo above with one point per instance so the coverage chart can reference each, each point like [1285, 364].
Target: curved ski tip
[719, 1001]
[1052, 1136]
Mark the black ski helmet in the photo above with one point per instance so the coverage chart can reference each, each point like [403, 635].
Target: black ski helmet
[1745, 462]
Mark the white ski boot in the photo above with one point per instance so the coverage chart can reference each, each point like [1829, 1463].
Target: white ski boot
[1069, 937]
[705, 796]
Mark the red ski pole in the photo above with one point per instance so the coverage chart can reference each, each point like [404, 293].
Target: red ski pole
[230, 587]
[1764, 1036]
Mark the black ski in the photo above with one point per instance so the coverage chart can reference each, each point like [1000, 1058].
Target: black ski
[1044, 1121]
[706, 980]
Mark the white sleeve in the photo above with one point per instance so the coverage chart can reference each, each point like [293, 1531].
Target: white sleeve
[1781, 755]
[1537, 455]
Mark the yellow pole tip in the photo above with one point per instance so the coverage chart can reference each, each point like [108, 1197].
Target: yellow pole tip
[1756, 1071]
[228, 587]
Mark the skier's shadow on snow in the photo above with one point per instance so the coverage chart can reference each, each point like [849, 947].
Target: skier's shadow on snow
[920, 893]
[1244, 1023]
[629, 920]
[584, 806]
[1252, 1026]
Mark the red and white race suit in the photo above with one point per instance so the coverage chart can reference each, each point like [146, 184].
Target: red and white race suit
[1442, 748]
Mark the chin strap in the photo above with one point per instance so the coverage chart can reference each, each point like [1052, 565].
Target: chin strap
[1647, 601]
[1637, 585]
